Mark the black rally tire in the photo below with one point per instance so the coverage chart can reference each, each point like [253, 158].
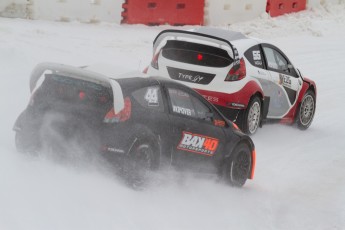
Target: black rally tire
[238, 166]
[252, 116]
[140, 162]
[306, 110]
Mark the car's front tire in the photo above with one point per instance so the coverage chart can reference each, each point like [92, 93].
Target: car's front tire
[238, 166]
[306, 110]
[252, 116]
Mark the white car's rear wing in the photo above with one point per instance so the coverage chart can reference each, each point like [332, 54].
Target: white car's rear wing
[78, 73]
[196, 37]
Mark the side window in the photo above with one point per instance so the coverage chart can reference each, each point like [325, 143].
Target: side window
[181, 102]
[150, 98]
[186, 104]
[275, 60]
[254, 56]
[189, 105]
[202, 111]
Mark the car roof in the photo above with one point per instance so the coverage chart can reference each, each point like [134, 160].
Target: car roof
[228, 35]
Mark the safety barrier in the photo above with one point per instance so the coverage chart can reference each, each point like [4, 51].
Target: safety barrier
[280, 7]
[159, 12]
[222, 12]
[153, 12]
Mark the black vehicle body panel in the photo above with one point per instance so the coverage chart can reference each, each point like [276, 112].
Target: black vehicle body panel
[115, 140]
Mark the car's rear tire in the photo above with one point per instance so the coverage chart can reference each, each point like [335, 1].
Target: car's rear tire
[306, 110]
[139, 163]
[252, 116]
[238, 166]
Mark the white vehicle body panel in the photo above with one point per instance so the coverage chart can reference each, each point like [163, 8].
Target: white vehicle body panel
[269, 82]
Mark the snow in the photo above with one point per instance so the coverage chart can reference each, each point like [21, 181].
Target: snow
[299, 181]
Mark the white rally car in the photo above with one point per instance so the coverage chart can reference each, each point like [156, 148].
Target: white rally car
[247, 79]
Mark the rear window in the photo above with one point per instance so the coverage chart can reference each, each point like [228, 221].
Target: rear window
[196, 54]
[61, 88]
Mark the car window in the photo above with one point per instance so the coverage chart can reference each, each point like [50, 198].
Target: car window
[186, 104]
[275, 60]
[202, 111]
[196, 54]
[254, 56]
[149, 97]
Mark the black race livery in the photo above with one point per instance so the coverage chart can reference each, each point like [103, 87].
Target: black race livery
[145, 123]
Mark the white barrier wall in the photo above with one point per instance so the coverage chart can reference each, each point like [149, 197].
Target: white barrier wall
[14, 8]
[317, 3]
[78, 10]
[89, 11]
[223, 12]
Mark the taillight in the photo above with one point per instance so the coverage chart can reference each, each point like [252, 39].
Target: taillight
[154, 62]
[200, 57]
[236, 75]
[123, 115]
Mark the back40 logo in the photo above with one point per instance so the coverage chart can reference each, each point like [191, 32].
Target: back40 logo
[198, 144]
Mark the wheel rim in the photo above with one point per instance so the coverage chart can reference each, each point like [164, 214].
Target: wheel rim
[254, 117]
[143, 157]
[307, 110]
[240, 168]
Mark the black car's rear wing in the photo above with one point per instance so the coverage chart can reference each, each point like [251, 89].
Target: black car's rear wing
[196, 37]
[78, 73]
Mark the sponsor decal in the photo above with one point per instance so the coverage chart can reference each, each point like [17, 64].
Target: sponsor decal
[151, 96]
[181, 110]
[115, 150]
[190, 76]
[233, 104]
[198, 144]
[284, 80]
[195, 79]
[211, 98]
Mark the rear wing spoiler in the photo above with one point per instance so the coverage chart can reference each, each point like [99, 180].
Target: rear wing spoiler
[191, 36]
[78, 73]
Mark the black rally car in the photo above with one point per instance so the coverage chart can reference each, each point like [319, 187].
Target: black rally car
[149, 121]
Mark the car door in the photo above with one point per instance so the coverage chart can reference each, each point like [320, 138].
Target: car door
[197, 133]
[285, 85]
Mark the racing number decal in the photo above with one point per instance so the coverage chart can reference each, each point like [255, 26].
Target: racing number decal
[256, 55]
[151, 96]
[198, 144]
